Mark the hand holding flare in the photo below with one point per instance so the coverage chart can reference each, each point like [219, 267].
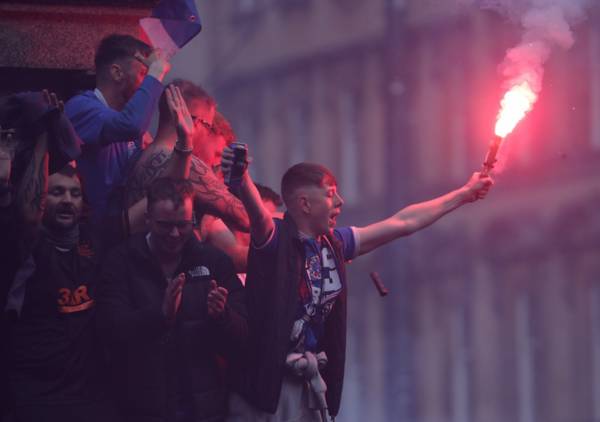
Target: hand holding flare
[517, 102]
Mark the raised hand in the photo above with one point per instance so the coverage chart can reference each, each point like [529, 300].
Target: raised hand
[217, 299]
[227, 157]
[477, 187]
[234, 168]
[172, 298]
[156, 62]
[181, 118]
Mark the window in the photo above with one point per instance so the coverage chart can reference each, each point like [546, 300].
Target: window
[459, 387]
[298, 127]
[525, 366]
[595, 344]
[349, 151]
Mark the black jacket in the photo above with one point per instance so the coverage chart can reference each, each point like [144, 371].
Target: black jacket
[273, 300]
[162, 369]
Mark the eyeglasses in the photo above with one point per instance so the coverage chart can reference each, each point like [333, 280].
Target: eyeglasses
[203, 122]
[167, 226]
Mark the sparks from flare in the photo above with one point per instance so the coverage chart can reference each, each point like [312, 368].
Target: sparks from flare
[517, 102]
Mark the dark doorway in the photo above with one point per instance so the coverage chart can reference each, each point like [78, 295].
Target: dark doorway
[65, 83]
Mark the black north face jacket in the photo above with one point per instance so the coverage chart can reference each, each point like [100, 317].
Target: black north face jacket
[161, 370]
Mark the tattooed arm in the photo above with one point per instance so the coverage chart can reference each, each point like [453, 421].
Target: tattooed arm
[152, 165]
[212, 195]
[162, 158]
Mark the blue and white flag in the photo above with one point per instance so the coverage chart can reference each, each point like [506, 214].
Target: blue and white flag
[172, 25]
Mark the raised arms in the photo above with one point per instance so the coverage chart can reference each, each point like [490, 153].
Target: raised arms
[261, 222]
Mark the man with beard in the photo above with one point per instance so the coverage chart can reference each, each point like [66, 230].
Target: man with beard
[112, 119]
[170, 308]
[53, 359]
[54, 367]
[296, 290]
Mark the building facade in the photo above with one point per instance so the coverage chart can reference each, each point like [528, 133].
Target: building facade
[493, 312]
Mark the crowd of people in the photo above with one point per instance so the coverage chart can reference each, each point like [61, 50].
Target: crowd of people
[137, 286]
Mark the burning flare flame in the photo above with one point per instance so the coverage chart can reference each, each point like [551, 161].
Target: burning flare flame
[517, 102]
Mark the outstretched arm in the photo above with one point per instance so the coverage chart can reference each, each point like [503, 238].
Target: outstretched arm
[418, 216]
[261, 222]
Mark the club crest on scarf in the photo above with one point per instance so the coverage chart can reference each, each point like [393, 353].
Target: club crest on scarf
[318, 290]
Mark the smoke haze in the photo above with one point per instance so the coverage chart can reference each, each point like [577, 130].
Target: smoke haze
[547, 24]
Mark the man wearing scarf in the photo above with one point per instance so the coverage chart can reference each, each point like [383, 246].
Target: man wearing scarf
[296, 290]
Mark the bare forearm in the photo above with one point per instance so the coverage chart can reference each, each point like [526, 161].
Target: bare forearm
[210, 193]
[261, 222]
[418, 216]
[159, 160]
[179, 165]
[409, 220]
[152, 165]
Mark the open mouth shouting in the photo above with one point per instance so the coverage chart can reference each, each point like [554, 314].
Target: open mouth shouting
[333, 218]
